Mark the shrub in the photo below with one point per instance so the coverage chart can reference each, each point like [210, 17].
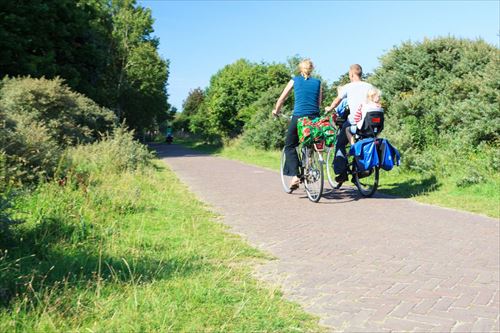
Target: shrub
[442, 86]
[29, 152]
[262, 130]
[115, 153]
[441, 96]
[38, 118]
[68, 117]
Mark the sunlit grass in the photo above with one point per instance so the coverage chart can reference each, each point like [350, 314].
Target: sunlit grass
[134, 252]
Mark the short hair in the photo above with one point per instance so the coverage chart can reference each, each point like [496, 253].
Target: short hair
[356, 70]
[306, 67]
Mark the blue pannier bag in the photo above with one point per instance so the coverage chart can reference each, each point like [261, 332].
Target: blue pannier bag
[365, 154]
[389, 156]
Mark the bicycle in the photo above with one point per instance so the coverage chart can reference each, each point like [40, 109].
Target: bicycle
[311, 172]
[366, 181]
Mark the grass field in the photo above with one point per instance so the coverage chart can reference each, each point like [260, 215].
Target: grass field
[133, 252]
[483, 198]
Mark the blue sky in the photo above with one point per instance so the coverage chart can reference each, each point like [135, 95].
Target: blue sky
[201, 37]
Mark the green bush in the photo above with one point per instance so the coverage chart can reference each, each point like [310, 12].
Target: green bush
[440, 89]
[38, 118]
[69, 117]
[29, 152]
[115, 153]
[232, 89]
[263, 130]
[441, 97]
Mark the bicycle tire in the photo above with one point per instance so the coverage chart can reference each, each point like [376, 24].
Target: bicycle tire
[367, 185]
[313, 175]
[330, 173]
[285, 180]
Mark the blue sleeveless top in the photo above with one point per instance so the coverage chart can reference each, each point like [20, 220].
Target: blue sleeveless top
[306, 96]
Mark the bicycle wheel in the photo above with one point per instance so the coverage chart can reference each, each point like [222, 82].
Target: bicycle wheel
[313, 174]
[366, 181]
[330, 174]
[285, 180]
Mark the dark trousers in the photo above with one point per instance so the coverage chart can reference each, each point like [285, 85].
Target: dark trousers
[291, 167]
[340, 161]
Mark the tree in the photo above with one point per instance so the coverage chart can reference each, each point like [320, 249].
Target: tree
[193, 101]
[445, 87]
[141, 73]
[101, 48]
[233, 88]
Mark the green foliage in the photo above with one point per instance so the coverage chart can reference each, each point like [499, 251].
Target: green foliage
[115, 153]
[438, 90]
[132, 251]
[140, 73]
[69, 117]
[193, 101]
[38, 118]
[262, 130]
[101, 48]
[190, 107]
[233, 89]
[51, 38]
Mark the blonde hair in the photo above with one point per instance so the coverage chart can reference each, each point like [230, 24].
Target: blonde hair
[306, 67]
[374, 95]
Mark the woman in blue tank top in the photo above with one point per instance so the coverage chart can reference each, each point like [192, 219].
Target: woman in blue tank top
[308, 96]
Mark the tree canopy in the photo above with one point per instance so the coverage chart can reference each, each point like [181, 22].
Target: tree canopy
[101, 48]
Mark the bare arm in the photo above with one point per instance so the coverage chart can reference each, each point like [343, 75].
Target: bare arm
[334, 104]
[283, 97]
[320, 96]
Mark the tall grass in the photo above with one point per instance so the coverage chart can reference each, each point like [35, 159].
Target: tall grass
[130, 250]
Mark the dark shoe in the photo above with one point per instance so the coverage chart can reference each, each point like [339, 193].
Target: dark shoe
[341, 178]
[294, 185]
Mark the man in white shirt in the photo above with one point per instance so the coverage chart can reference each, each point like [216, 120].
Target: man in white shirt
[356, 92]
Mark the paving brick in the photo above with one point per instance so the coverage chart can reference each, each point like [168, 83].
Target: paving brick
[451, 282]
[484, 297]
[462, 328]
[483, 325]
[403, 325]
[396, 288]
[366, 273]
[464, 301]
[382, 312]
[444, 303]
[448, 292]
[402, 309]
[432, 283]
[431, 320]
[424, 306]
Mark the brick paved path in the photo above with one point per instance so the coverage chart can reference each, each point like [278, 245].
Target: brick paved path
[398, 266]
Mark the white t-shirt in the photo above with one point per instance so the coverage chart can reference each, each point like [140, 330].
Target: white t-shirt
[356, 93]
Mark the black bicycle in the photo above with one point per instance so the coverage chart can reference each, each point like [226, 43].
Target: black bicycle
[365, 180]
[311, 172]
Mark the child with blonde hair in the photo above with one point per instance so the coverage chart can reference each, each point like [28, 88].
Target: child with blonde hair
[372, 104]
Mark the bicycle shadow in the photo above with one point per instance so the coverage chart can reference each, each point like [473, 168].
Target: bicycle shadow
[336, 196]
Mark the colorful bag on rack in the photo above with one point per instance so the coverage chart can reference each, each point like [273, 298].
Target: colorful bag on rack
[318, 129]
